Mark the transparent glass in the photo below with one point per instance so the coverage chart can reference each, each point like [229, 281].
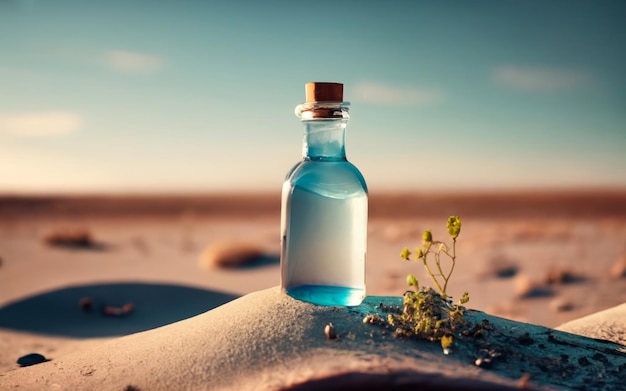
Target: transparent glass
[324, 214]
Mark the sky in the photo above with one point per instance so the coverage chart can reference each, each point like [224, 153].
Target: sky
[199, 96]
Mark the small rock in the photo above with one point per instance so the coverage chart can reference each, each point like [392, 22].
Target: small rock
[526, 288]
[559, 275]
[85, 304]
[561, 305]
[70, 237]
[618, 269]
[506, 271]
[31, 359]
[500, 266]
[118, 311]
[229, 254]
[330, 332]
[128, 308]
[483, 362]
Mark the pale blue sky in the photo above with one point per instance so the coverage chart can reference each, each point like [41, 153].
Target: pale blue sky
[118, 96]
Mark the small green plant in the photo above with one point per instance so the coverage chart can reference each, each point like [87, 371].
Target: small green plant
[437, 248]
[427, 313]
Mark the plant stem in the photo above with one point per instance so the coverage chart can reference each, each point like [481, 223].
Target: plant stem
[445, 285]
[438, 263]
[430, 273]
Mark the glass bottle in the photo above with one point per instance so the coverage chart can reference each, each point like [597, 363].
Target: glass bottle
[324, 208]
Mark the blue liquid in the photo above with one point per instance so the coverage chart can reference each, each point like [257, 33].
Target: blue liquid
[324, 233]
[328, 295]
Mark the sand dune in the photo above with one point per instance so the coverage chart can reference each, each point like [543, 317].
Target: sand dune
[268, 341]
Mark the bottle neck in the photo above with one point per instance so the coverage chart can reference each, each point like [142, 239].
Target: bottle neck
[324, 139]
[325, 129]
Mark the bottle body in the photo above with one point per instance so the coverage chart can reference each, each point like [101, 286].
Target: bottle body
[324, 221]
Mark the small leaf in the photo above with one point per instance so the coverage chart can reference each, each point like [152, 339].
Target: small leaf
[465, 298]
[412, 281]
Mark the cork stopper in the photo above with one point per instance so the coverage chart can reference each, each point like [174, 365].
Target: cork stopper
[323, 92]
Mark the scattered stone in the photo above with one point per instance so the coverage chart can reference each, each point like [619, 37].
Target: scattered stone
[559, 275]
[373, 319]
[229, 254]
[618, 269]
[506, 271]
[31, 359]
[118, 311]
[69, 237]
[330, 332]
[483, 362]
[77, 238]
[85, 304]
[561, 305]
[500, 266]
[526, 288]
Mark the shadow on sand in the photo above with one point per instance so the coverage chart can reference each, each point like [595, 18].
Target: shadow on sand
[79, 311]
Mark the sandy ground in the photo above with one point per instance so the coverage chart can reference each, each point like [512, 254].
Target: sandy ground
[546, 264]
[268, 341]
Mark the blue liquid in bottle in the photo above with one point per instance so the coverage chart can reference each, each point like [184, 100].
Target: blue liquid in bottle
[324, 213]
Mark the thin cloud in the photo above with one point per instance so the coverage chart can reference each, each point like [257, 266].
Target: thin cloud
[540, 79]
[391, 95]
[41, 124]
[124, 61]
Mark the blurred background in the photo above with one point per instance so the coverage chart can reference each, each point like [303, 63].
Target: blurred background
[198, 96]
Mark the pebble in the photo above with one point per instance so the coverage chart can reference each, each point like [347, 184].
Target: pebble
[31, 359]
[526, 288]
[85, 304]
[559, 275]
[561, 305]
[118, 311]
[229, 254]
[330, 332]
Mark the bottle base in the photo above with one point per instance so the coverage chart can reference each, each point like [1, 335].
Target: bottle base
[327, 295]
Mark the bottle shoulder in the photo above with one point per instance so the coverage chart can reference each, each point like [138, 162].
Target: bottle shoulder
[328, 177]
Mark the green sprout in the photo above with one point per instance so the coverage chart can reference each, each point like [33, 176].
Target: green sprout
[437, 249]
[427, 313]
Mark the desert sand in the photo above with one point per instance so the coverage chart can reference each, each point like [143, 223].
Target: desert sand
[539, 258]
[266, 340]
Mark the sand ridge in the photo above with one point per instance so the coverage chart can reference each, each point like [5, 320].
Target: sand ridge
[267, 341]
